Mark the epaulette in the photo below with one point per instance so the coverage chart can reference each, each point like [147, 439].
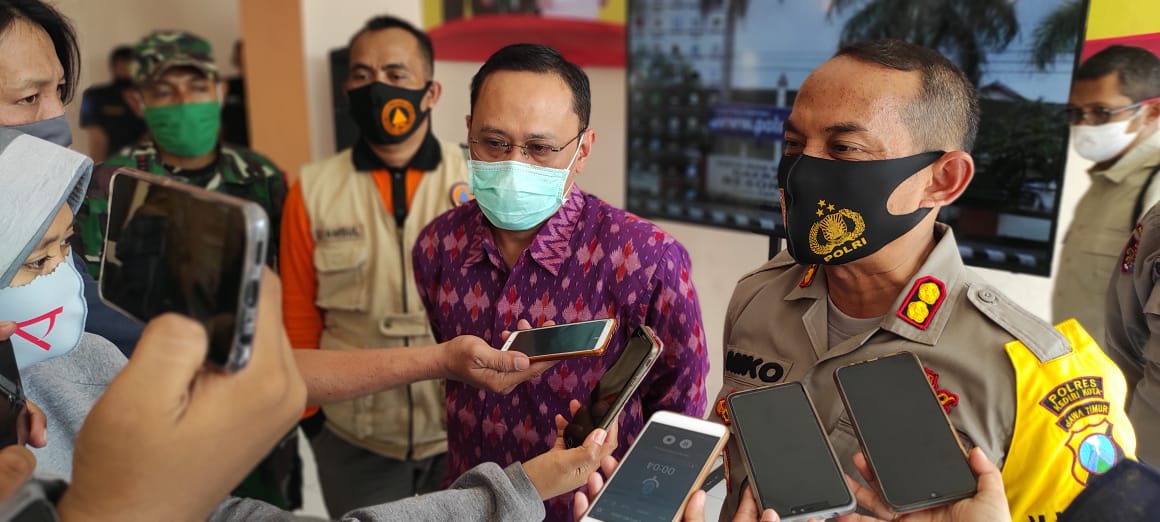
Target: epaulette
[1038, 335]
[781, 260]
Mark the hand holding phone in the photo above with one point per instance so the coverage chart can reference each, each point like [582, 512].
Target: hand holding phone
[172, 247]
[616, 386]
[562, 341]
[791, 465]
[661, 470]
[907, 439]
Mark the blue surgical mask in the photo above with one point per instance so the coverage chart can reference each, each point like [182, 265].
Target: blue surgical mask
[49, 313]
[514, 195]
[53, 130]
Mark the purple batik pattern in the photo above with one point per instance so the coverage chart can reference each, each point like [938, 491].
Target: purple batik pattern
[589, 261]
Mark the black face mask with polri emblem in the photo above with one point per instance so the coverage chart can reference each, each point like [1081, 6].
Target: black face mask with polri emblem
[835, 211]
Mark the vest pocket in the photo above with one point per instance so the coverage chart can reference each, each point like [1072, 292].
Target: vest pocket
[342, 280]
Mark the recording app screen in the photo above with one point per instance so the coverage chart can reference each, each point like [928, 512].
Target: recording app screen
[901, 422]
[575, 337]
[791, 464]
[652, 482]
[169, 251]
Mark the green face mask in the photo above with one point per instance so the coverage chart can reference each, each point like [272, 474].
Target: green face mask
[187, 129]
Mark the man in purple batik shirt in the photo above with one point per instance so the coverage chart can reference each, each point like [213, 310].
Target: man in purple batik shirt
[534, 246]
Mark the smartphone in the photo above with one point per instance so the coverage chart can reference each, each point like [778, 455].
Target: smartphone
[665, 465]
[30, 503]
[910, 444]
[563, 340]
[173, 247]
[791, 465]
[12, 429]
[615, 387]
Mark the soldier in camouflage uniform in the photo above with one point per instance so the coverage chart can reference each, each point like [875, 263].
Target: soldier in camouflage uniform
[179, 94]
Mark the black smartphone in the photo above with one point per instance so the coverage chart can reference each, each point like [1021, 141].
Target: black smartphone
[615, 387]
[173, 247]
[905, 434]
[12, 430]
[562, 341]
[791, 465]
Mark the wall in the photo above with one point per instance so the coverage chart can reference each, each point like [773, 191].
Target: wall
[104, 24]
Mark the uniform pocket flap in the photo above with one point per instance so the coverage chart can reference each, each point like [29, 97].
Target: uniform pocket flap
[338, 258]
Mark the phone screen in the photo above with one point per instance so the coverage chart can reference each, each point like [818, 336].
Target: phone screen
[656, 476]
[915, 455]
[168, 250]
[790, 462]
[560, 339]
[613, 389]
[11, 397]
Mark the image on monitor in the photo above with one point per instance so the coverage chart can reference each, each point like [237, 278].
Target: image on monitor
[711, 82]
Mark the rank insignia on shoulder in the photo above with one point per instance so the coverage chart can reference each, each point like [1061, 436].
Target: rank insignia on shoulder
[460, 195]
[926, 296]
[1128, 259]
[808, 279]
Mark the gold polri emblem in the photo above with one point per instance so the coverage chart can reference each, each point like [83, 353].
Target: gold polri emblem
[837, 232]
[926, 296]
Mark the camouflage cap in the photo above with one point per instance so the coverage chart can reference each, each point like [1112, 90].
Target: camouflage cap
[163, 50]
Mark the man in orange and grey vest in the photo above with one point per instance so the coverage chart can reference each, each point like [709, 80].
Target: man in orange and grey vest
[348, 228]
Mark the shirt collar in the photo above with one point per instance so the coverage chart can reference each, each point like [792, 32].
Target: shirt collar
[944, 265]
[549, 249]
[427, 158]
[1141, 156]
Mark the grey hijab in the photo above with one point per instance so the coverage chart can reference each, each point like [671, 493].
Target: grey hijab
[36, 178]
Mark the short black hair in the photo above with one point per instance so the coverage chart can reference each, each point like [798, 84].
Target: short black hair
[121, 53]
[946, 110]
[59, 29]
[542, 59]
[380, 23]
[1137, 69]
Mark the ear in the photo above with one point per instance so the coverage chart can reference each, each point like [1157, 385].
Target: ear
[223, 89]
[951, 175]
[1151, 112]
[133, 99]
[467, 119]
[433, 94]
[589, 138]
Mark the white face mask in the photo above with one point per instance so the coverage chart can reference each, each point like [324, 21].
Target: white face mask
[49, 313]
[1102, 142]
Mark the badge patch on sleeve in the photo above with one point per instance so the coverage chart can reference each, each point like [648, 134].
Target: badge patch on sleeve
[1082, 411]
[924, 300]
[460, 195]
[1128, 259]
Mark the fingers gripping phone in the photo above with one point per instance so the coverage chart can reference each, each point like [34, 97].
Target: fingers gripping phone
[791, 465]
[173, 247]
[615, 387]
[563, 340]
[906, 436]
[669, 459]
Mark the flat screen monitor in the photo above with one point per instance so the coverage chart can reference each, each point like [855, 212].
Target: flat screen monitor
[710, 83]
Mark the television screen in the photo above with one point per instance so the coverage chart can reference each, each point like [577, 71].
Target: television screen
[710, 83]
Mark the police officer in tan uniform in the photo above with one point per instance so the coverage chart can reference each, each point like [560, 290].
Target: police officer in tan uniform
[876, 144]
[1133, 336]
[1114, 109]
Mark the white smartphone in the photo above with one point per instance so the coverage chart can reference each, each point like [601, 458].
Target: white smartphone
[563, 340]
[665, 465]
[173, 247]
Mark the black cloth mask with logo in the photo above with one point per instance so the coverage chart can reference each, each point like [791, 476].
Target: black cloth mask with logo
[386, 114]
[835, 210]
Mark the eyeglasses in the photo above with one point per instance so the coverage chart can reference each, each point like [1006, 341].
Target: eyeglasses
[495, 149]
[1100, 115]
